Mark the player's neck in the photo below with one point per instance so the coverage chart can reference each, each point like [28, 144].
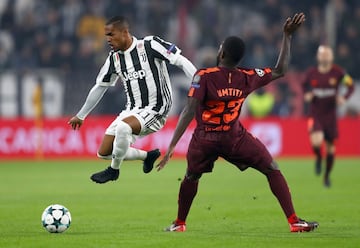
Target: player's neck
[225, 65]
[324, 69]
[129, 42]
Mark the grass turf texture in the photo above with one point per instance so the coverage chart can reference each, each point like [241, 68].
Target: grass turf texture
[232, 209]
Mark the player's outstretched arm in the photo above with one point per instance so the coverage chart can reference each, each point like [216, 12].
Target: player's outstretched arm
[184, 64]
[184, 120]
[94, 96]
[290, 26]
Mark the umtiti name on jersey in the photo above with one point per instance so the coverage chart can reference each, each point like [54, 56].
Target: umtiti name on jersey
[229, 92]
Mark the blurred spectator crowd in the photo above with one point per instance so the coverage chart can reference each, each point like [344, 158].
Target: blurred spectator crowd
[68, 34]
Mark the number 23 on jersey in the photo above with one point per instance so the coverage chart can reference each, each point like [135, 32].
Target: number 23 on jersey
[221, 112]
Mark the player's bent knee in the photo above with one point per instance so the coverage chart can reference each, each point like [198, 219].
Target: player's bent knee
[123, 133]
[193, 176]
[330, 147]
[123, 138]
[273, 166]
[123, 130]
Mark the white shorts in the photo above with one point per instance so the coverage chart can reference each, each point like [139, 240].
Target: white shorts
[150, 121]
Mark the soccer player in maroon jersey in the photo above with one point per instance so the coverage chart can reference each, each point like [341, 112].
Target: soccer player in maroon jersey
[215, 99]
[321, 90]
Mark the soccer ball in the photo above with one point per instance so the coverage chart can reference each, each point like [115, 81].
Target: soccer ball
[56, 218]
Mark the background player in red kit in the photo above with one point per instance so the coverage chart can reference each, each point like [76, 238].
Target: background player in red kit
[321, 88]
[215, 98]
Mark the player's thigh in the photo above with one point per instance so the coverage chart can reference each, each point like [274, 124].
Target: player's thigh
[316, 131]
[143, 121]
[317, 137]
[134, 123]
[201, 156]
[249, 151]
[106, 145]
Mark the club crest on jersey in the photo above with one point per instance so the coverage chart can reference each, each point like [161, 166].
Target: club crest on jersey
[260, 72]
[313, 82]
[332, 81]
[143, 57]
[141, 51]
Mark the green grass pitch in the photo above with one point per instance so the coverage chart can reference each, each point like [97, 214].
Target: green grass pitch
[232, 209]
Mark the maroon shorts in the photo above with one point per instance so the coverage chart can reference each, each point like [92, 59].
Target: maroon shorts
[328, 127]
[241, 149]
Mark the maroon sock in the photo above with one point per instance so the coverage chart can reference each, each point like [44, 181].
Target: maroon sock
[280, 189]
[187, 193]
[317, 152]
[329, 164]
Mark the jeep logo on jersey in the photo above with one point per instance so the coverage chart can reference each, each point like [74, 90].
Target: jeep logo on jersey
[134, 75]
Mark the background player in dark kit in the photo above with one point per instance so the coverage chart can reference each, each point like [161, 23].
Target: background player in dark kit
[321, 90]
[215, 99]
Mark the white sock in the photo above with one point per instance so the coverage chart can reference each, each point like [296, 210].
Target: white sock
[131, 154]
[121, 144]
[135, 154]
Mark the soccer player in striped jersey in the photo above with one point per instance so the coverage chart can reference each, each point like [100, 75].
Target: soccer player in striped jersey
[215, 99]
[321, 91]
[141, 66]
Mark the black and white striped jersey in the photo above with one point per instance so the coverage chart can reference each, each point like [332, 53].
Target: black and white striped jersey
[142, 69]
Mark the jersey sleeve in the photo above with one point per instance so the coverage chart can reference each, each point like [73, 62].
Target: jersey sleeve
[346, 80]
[164, 50]
[185, 65]
[107, 75]
[257, 78]
[198, 87]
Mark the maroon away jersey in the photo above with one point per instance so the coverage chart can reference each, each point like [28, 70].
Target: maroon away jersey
[325, 90]
[221, 92]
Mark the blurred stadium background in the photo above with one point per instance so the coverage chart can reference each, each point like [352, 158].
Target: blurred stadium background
[51, 52]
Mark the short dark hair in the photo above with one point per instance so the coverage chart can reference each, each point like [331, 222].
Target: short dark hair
[233, 49]
[118, 21]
